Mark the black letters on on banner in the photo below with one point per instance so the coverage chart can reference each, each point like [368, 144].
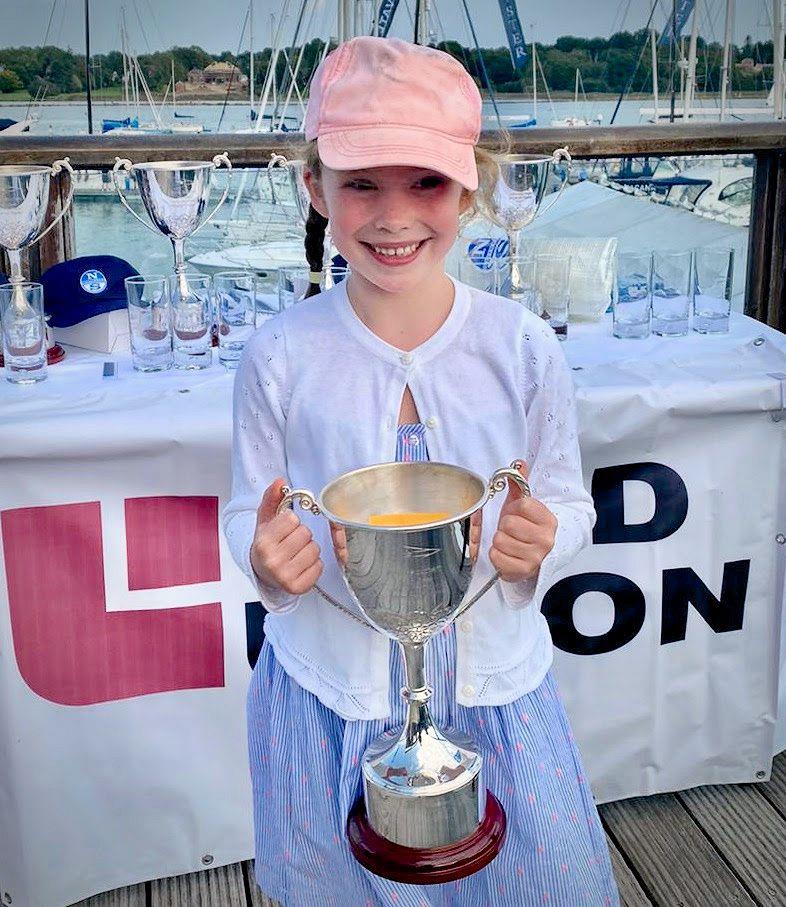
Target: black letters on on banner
[681, 587]
[629, 612]
[671, 503]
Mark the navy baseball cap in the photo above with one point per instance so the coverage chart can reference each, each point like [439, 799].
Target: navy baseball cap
[83, 287]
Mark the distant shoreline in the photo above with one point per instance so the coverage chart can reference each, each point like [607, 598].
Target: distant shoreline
[664, 100]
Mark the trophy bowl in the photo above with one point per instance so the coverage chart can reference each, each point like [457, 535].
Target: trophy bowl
[24, 196]
[425, 816]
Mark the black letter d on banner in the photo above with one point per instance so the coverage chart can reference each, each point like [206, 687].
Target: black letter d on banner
[671, 503]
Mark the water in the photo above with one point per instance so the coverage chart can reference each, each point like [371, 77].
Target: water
[631, 330]
[670, 315]
[24, 349]
[710, 314]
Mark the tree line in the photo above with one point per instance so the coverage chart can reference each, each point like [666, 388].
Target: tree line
[606, 65]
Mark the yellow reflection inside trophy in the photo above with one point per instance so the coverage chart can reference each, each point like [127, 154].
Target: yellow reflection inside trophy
[410, 518]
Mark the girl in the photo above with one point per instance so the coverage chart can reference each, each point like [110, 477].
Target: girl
[402, 362]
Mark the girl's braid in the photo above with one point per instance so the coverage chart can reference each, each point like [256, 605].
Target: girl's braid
[314, 243]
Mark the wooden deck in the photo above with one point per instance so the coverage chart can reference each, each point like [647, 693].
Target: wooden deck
[706, 847]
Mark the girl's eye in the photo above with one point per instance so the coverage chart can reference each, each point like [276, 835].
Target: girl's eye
[359, 184]
[430, 182]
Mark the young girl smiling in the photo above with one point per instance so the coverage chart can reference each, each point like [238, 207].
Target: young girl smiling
[402, 362]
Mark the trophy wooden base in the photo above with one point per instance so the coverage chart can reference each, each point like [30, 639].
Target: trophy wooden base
[54, 354]
[427, 866]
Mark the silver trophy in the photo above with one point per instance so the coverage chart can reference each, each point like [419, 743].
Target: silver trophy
[426, 815]
[518, 196]
[24, 197]
[175, 194]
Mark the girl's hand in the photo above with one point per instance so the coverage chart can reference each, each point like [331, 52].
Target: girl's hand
[283, 553]
[525, 535]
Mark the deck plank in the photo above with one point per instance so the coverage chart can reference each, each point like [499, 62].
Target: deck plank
[748, 831]
[631, 894]
[673, 859]
[775, 789]
[258, 897]
[220, 887]
[131, 896]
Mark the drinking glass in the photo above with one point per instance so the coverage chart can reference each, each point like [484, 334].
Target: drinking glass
[632, 299]
[150, 322]
[192, 321]
[713, 281]
[24, 332]
[235, 296]
[552, 279]
[516, 279]
[481, 274]
[672, 289]
[293, 283]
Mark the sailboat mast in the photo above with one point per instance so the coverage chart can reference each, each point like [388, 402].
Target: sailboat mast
[534, 80]
[777, 59]
[87, 69]
[422, 23]
[251, 54]
[654, 50]
[726, 51]
[690, 86]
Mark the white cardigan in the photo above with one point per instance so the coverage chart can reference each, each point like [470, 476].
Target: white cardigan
[318, 394]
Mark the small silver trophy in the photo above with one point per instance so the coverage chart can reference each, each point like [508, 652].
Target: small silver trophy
[175, 194]
[426, 816]
[24, 196]
[523, 180]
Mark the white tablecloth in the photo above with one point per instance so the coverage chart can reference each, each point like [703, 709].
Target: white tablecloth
[116, 768]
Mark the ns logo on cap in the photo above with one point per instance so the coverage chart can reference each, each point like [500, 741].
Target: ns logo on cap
[93, 281]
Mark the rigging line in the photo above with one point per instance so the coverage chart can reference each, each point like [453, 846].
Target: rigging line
[286, 81]
[49, 23]
[142, 27]
[626, 89]
[483, 65]
[229, 85]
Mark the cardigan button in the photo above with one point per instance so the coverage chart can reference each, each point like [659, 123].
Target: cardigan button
[431, 422]
[468, 690]
[466, 626]
[406, 358]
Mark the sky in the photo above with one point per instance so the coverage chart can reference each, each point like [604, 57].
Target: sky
[216, 25]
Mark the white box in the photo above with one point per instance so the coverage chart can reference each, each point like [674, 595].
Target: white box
[104, 333]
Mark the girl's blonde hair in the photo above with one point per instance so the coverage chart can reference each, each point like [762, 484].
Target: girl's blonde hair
[486, 160]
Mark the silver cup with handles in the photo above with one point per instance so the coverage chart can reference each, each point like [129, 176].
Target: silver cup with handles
[24, 196]
[406, 536]
[175, 195]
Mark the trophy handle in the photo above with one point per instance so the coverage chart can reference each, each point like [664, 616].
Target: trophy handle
[58, 167]
[124, 164]
[218, 160]
[275, 161]
[291, 496]
[498, 482]
[560, 154]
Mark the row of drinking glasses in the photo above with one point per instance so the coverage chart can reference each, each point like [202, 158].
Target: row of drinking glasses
[168, 329]
[651, 291]
[656, 292]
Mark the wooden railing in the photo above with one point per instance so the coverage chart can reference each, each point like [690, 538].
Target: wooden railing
[765, 294]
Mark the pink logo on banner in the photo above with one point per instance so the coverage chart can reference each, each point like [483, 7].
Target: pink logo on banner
[69, 649]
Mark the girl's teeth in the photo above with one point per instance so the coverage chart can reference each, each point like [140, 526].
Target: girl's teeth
[400, 251]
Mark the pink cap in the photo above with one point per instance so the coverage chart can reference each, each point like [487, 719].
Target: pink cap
[380, 102]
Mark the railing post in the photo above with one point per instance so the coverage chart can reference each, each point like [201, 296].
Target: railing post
[765, 286]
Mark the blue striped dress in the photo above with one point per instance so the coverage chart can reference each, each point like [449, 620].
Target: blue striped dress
[305, 772]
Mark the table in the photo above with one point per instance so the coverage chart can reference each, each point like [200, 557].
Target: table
[126, 631]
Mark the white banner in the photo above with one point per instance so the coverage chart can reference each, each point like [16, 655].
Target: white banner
[125, 626]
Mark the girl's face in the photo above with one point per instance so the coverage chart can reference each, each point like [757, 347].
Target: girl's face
[394, 225]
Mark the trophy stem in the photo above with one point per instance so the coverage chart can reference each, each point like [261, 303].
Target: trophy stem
[417, 694]
[22, 309]
[178, 246]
